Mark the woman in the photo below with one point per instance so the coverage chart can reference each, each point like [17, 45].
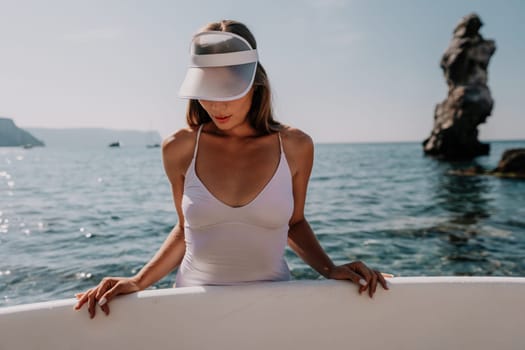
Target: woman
[239, 181]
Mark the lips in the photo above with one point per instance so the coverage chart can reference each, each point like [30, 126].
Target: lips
[222, 118]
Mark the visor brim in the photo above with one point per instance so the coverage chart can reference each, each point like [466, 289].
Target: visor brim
[218, 83]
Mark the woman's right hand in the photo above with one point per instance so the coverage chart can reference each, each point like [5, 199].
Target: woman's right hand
[106, 290]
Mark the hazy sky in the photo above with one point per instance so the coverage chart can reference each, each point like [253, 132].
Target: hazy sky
[343, 71]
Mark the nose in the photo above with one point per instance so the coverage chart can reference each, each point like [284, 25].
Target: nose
[215, 106]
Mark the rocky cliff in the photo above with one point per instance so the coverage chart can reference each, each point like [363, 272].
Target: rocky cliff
[469, 102]
[13, 136]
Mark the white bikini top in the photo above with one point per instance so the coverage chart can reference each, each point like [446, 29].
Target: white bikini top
[232, 245]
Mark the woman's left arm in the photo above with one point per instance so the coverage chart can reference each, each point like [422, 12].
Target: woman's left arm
[301, 238]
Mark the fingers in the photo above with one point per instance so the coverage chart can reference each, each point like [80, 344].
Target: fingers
[371, 277]
[98, 295]
[103, 287]
[373, 285]
[345, 272]
[364, 272]
[92, 303]
[82, 298]
[382, 280]
[105, 308]
[107, 296]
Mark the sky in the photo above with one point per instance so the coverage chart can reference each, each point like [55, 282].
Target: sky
[342, 71]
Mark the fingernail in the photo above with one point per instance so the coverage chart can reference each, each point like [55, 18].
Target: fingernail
[102, 301]
[362, 282]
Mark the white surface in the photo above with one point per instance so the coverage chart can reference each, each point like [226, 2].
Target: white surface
[417, 313]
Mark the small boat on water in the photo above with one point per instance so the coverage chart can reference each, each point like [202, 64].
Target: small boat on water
[114, 144]
[416, 313]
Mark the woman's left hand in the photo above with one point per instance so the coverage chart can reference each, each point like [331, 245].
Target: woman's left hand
[361, 275]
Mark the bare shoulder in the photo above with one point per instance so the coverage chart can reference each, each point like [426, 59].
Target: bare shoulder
[177, 150]
[180, 139]
[299, 149]
[296, 141]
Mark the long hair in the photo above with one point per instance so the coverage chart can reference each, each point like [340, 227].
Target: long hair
[260, 115]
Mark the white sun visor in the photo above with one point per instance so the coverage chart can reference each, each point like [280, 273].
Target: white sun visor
[222, 67]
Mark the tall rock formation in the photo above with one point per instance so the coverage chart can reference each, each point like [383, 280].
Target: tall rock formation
[11, 135]
[469, 103]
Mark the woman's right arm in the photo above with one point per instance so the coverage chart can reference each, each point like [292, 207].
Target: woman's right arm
[177, 152]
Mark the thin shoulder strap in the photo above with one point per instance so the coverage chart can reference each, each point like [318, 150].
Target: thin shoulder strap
[280, 142]
[197, 141]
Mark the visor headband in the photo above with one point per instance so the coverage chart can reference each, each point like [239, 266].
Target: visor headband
[224, 59]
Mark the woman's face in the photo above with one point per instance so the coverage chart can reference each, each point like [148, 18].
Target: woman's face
[228, 114]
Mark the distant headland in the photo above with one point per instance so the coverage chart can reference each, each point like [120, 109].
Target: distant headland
[95, 137]
[13, 136]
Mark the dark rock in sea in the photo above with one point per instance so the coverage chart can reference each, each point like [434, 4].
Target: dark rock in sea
[13, 136]
[511, 165]
[469, 102]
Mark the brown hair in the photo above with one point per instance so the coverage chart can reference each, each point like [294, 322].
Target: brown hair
[260, 114]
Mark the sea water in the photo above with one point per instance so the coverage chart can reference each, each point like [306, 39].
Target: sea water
[69, 217]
